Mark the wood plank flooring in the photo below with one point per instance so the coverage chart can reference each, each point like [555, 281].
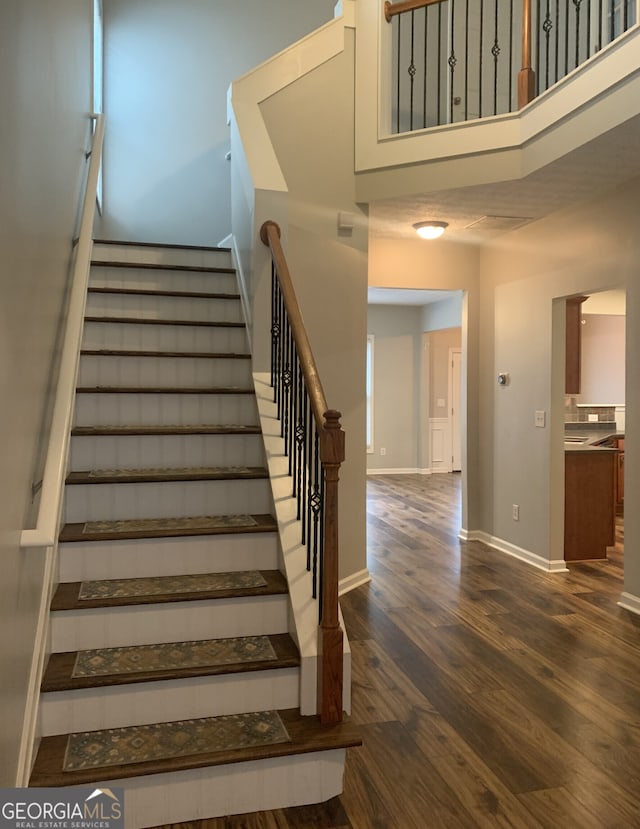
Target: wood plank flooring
[487, 693]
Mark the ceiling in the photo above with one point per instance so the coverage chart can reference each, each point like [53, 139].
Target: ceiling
[477, 213]
[407, 296]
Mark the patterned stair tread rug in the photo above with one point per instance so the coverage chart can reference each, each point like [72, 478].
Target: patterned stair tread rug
[173, 656]
[165, 585]
[163, 741]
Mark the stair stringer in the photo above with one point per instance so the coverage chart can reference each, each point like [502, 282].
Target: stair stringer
[303, 625]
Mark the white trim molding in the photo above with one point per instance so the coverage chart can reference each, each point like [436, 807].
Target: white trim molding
[630, 602]
[535, 560]
[354, 580]
[399, 471]
[440, 444]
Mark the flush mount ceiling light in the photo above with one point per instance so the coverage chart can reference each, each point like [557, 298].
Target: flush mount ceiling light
[430, 230]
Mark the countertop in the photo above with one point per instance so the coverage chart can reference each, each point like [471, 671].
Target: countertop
[590, 437]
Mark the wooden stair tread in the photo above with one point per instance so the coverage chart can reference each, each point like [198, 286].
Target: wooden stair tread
[161, 245]
[163, 390]
[128, 476]
[306, 734]
[59, 674]
[130, 352]
[107, 289]
[105, 318]
[153, 266]
[121, 530]
[67, 594]
[177, 429]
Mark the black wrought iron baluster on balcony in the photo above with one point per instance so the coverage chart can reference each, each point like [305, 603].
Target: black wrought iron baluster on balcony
[495, 51]
[452, 60]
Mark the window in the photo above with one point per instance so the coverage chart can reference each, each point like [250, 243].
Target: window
[369, 393]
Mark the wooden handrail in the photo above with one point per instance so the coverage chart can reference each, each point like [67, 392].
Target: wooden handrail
[392, 9]
[332, 455]
[270, 236]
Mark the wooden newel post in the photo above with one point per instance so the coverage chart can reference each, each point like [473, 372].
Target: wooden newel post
[330, 645]
[526, 76]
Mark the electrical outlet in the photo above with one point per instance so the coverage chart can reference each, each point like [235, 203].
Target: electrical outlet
[540, 418]
[515, 512]
[383, 451]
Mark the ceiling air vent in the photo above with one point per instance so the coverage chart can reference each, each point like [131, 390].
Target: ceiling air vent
[497, 223]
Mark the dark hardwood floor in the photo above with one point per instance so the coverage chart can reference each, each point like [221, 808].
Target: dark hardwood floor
[488, 693]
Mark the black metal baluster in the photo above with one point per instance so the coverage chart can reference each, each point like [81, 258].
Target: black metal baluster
[299, 443]
[466, 62]
[399, 18]
[281, 341]
[480, 52]
[309, 483]
[412, 71]
[439, 111]
[511, 66]
[424, 88]
[495, 51]
[588, 50]
[322, 505]
[557, 41]
[316, 503]
[286, 386]
[452, 60]
[600, 24]
[612, 18]
[547, 26]
[294, 420]
[566, 38]
[577, 4]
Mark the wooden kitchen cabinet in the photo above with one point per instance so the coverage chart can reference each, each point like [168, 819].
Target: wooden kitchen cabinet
[573, 343]
[589, 503]
[620, 475]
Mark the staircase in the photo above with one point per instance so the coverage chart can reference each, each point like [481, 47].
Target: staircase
[173, 671]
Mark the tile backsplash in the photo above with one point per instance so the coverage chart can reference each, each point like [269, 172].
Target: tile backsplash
[574, 413]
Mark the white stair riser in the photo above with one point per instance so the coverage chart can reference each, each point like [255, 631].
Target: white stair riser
[166, 499]
[163, 371]
[170, 622]
[96, 409]
[162, 256]
[185, 555]
[138, 306]
[165, 451]
[150, 702]
[162, 280]
[275, 783]
[146, 337]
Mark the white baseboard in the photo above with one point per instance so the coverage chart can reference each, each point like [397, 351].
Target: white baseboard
[541, 563]
[630, 602]
[40, 652]
[353, 581]
[392, 471]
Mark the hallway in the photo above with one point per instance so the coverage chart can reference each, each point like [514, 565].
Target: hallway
[488, 693]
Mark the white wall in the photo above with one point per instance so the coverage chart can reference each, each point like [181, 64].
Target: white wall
[399, 368]
[591, 247]
[44, 86]
[328, 268]
[603, 362]
[168, 66]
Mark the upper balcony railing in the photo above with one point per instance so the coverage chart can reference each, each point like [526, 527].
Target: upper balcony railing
[457, 60]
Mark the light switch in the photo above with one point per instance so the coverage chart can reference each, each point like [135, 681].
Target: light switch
[540, 419]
